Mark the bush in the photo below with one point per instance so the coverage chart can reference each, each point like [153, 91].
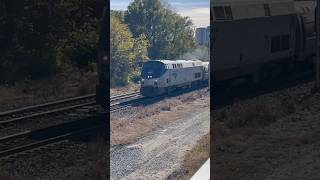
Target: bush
[119, 81]
[136, 77]
[29, 63]
[82, 48]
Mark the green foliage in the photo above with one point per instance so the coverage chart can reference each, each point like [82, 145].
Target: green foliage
[122, 56]
[169, 34]
[125, 52]
[37, 37]
[82, 47]
[140, 48]
[118, 14]
[136, 78]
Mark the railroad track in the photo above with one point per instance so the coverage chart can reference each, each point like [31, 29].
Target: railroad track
[50, 108]
[137, 99]
[124, 101]
[30, 140]
[46, 109]
[121, 97]
[129, 103]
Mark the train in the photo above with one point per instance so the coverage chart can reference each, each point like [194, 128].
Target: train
[255, 40]
[259, 40]
[163, 76]
[158, 76]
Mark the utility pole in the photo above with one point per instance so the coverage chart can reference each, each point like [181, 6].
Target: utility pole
[317, 86]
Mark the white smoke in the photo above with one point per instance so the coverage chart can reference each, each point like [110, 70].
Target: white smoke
[201, 52]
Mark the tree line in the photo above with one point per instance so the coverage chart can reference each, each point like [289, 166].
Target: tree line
[146, 30]
[39, 38]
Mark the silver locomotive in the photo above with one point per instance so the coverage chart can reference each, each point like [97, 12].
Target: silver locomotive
[163, 76]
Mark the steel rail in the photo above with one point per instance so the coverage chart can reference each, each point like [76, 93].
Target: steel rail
[29, 108]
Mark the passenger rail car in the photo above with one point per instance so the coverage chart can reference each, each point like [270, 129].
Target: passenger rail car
[162, 76]
[257, 40]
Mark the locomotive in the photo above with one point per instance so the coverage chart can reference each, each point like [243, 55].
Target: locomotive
[258, 40]
[163, 76]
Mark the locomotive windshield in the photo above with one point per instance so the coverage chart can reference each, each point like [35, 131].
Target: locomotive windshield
[152, 69]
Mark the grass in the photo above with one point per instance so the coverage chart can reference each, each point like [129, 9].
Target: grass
[30, 92]
[195, 158]
[5, 176]
[252, 115]
[245, 142]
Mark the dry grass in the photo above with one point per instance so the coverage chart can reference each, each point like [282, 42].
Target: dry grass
[30, 92]
[166, 105]
[132, 87]
[256, 112]
[288, 104]
[251, 115]
[5, 176]
[300, 139]
[194, 159]
[249, 139]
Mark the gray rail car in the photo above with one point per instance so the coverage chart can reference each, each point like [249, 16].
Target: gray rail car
[258, 39]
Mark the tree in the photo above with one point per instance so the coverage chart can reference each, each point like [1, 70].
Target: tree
[169, 34]
[140, 48]
[118, 14]
[121, 48]
[36, 36]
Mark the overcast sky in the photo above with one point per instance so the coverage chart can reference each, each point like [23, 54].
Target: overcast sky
[197, 10]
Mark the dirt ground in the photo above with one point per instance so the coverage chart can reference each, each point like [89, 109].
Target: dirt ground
[275, 136]
[154, 144]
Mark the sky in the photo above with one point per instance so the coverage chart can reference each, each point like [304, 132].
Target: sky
[197, 10]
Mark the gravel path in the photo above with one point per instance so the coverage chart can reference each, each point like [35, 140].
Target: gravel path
[160, 154]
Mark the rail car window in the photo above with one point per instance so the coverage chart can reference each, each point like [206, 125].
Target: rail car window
[228, 12]
[219, 12]
[152, 69]
[285, 42]
[197, 75]
[280, 43]
[275, 44]
[223, 12]
[267, 10]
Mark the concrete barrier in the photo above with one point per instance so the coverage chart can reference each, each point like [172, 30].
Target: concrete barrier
[203, 173]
